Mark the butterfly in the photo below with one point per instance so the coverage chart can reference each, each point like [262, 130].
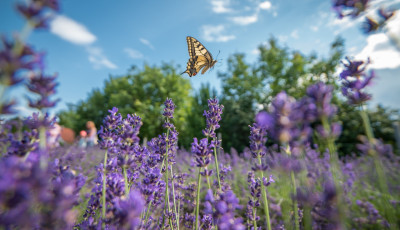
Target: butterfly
[199, 58]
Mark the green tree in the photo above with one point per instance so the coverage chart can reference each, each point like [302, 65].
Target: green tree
[241, 90]
[292, 72]
[140, 91]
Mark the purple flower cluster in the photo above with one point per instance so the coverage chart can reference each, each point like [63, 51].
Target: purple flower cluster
[25, 185]
[35, 11]
[254, 200]
[354, 80]
[203, 151]
[319, 104]
[44, 87]
[258, 139]
[349, 7]
[213, 116]
[287, 121]
[222, 209]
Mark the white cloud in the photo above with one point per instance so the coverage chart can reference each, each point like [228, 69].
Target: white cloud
[283, 38]
[294, 34]
[314, 28]
[381, 51]
[72, 31]
[220, 6]
[245, 20]
[147, 43]
[133, 53]
[98, 59]
[344, 23]
[265, 5]
[215, 33]
[255, 52]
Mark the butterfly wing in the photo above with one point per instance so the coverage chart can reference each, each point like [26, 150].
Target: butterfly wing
[199, 59]
[190, 67]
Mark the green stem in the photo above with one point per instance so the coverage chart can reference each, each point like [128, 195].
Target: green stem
[389, 212]
[173, 195]
[295, 208]
[167, 182]
[307, 218]
[254, 218]
[198, 201]
[126, 182]
[42, 146]
[335, 170]
[104, 186]
[264, 195]
[216, 163]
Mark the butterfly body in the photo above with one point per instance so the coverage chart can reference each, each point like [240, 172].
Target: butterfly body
[199, 58]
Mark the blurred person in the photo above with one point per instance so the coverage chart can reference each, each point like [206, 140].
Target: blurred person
[82, 139]
[91, 139]
[54, 135]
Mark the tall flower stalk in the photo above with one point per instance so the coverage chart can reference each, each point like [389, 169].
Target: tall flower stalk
[18, 61]
[213, 116]
[354, 80]
[171, 139]
[258, 150]
[108, 141]
[320, 96]
[203, 152]
[287, 124]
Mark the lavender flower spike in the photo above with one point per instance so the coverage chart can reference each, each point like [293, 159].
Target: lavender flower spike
[354, 80]
[213, 116]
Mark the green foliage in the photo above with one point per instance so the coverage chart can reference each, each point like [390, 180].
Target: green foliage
[241, 91]
[140, 91]
[382, 120]
[292, 72]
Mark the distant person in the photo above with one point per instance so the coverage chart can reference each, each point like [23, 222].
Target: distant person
[55, 133]
[82, 139]
[91, 139]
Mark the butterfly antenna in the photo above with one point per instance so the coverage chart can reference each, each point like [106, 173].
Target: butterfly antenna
[220, 60]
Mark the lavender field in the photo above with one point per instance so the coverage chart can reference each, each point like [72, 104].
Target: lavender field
[292, 172]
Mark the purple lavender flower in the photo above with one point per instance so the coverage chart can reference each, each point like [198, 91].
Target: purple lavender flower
[169, 109]
[11, 63]
[128, 131]
[127, 211]
[35, 11]
[370, 25]
[321, 96]
[287, 121]
[44, 86]
[203, 152]
[354, 80]
[377, 146]
[223, 210]
[25, 185]
[373, 216]
[213, 116]
[349, 7]
[319, 104]
[108, 138]
[254, 199]
[258, 139]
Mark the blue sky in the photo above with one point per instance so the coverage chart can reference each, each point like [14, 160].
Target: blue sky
[90, 40]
